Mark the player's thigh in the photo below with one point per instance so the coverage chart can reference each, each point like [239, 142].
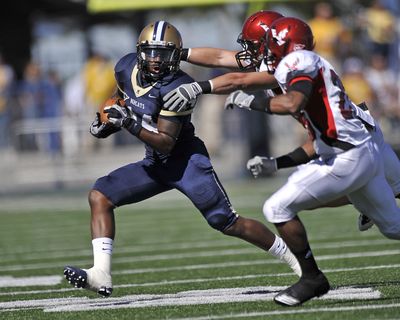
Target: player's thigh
[201, 185]
[130, 184]
[295, 195]
[376, 200]
[391, 167]
[317, 183]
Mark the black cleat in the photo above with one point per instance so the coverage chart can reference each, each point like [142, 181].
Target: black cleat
[303, 290]
[364, 223]
[75, 276]
[79, 278]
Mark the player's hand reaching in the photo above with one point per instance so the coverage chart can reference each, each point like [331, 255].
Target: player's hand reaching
[262, 166]
[239, 99]
[183, 97]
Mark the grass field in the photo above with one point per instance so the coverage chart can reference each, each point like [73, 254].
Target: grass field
[168, 264]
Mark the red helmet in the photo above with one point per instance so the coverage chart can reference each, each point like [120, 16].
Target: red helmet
[252, 38]
[284, 36]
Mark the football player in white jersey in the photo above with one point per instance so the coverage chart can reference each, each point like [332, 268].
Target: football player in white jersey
[339, 137]
[252, 40]
[349, 160]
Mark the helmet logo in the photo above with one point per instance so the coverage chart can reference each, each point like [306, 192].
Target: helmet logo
[280, 37]
[264, 26]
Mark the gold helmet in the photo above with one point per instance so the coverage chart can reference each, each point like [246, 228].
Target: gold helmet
[159, 49]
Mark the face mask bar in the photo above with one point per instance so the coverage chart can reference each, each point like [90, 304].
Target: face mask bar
[248, 58]
[158, 61]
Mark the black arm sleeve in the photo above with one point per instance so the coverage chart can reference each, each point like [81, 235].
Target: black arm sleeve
[303, 86]
[292, 159]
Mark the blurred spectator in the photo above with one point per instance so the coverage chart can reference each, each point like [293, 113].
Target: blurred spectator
[51, 109]
[383, 80]
[6, 82]
[29, 98]
[329, 32]
[99, 84]
[99, 81]
[380, 26]
[357, 86]
[74, 108]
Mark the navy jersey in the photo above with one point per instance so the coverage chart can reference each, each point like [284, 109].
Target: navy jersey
[187, 168]
[145, 100]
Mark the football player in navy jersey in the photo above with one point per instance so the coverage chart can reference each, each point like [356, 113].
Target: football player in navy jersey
[174, 159]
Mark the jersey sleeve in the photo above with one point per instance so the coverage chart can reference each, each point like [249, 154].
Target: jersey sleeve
[122, 70]
[297, 66]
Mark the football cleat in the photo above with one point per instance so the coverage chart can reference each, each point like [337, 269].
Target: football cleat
[364, 223]
[303, 290]
[92, 279]
[289, 258]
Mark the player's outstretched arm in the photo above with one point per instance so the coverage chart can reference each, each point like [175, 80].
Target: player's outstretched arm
[264, 166]
[211, 57]
[182, 98]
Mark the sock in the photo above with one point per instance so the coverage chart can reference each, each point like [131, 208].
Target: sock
[102, 252]
[307, 263]
[278, 248]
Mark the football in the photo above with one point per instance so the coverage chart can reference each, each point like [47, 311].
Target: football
[109, 102]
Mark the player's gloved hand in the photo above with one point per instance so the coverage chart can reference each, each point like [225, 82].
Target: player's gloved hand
[183, 97]
[118, 115]
[123, 117]
[100, 129]
[260, 166]
[239, 99]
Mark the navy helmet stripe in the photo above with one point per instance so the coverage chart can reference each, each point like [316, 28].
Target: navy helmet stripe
[159, 30]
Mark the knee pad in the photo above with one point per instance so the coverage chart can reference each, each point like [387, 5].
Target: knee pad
[220, 221]
[268, 211]
[392, 233]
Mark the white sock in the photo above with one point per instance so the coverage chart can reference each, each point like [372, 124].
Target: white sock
[278, 248]
[102, 252]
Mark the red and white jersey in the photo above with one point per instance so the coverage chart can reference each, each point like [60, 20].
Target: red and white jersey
[269, 92]
[329, 112]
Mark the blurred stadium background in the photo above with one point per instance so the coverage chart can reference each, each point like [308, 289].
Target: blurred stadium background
[56, 67]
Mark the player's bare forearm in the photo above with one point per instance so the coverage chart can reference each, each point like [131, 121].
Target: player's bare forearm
[249, 81]
[289, 103]
[213, 57]
[308, 148]
[164, 140]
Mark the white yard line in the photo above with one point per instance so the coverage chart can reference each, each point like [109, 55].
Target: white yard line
[193, 297]
[295, 311]
[199, 280]
[63, 253]
[197, 254]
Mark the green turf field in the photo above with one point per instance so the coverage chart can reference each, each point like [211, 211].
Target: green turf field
[168, 264]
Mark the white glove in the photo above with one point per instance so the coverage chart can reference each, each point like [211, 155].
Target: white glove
[183, 97]
[239, 99]
[262, 166]
[119, 116]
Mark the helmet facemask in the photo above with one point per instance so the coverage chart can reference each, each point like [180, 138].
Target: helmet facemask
[156, 62]
[252, 54]
[252, 38]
